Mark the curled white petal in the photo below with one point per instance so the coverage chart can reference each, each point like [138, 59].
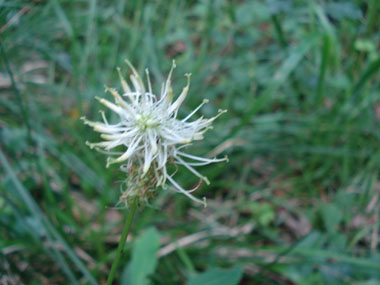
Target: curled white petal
[185, 192]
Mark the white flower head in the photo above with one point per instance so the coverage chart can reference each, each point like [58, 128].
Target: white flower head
[150, 134]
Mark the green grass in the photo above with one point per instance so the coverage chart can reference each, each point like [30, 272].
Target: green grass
[296, 204]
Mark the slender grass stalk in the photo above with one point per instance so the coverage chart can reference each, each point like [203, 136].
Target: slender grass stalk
[24, 111]
[279, 32]
[127, 225]
[372, 15]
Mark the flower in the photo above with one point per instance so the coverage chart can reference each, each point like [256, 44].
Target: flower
[150, 134]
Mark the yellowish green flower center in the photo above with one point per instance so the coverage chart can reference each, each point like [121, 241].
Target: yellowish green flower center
[146, 121]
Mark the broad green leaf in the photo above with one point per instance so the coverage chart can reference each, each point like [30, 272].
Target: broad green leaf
[144, 259]
[218, 276]
[331, 216]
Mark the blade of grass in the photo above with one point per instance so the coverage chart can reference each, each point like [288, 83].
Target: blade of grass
[279, 32]
[37, 214]
[325, 50]
[75, 50]
[295, 56]
[372, 69]
[373, 15]
[23, 109]
[287, 67]
[45, 224]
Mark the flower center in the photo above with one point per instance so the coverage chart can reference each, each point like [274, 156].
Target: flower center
[146, 121]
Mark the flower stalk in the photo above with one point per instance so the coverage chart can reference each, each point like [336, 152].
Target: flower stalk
[126, 228]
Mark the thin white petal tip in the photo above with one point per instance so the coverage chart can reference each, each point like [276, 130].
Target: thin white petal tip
[145, 170]
[86, 122]
[109, 162]
[91, 145]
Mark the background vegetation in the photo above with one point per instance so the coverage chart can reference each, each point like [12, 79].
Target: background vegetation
[298, 202]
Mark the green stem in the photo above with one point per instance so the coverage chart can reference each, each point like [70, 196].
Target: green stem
[127, 225]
